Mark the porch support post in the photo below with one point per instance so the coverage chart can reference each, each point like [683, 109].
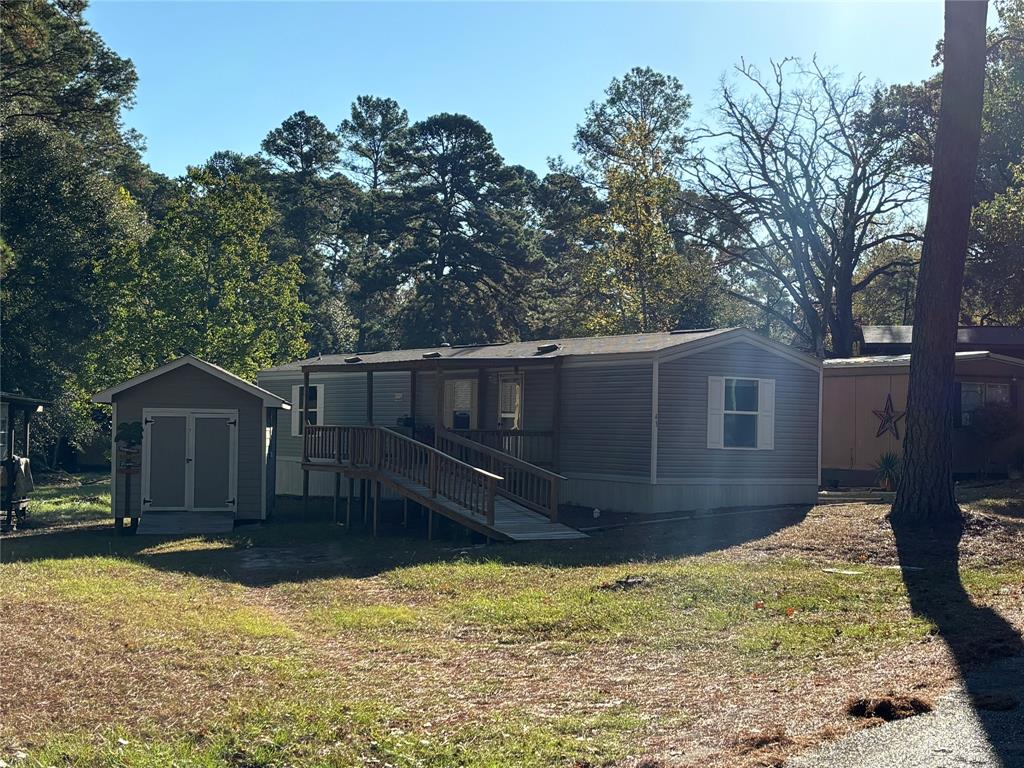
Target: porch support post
[337, 494]
[25, 429]
[483, 418]
[369, 398]
[439, 406]
[556, 417]
[412, 402]
[376, 507]
[305, 414]
[304, 422]
[348, 511]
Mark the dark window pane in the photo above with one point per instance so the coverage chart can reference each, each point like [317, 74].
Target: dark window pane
[312, 398]
[741, 395]
[740, 430]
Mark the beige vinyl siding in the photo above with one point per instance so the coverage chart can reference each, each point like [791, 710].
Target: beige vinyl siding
[188, 387]
[606, 419]
[683, 413]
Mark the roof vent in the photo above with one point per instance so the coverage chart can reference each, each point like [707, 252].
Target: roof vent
[692, 330]
[544, 349]
[354, 359]
[431, 354]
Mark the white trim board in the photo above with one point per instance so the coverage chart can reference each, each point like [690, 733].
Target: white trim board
[269, 398]
[654, 422]
[113, 462]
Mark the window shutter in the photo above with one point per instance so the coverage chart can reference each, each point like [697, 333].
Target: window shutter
[766, 414]
[296, 409]
[321, 407]
[716, 409]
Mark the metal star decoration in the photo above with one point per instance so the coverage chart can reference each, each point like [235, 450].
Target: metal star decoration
[889, 419]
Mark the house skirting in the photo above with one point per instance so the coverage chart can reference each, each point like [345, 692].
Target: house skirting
[639, 496]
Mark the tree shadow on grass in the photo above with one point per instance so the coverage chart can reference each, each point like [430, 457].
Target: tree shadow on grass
[975, 634]
[291, 549]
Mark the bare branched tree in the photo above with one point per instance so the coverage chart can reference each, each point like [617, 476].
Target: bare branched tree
[796, 184]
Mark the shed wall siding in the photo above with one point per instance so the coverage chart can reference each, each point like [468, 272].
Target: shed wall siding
[682, 418]
[188, 387]
[606, 420]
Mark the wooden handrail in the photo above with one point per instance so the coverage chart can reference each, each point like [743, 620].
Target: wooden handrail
[386, 450]
[523, 482]
[536, 446]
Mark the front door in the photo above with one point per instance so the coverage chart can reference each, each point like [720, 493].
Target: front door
[189, 460]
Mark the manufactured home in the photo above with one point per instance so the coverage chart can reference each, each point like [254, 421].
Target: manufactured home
[192, 448]
[864, 402]
[498, 436]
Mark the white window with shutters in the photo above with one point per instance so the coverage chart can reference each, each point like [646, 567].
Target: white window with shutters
[316, 407]
[741, 413]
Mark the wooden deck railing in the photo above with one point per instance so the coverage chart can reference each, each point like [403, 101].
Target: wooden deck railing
[533, 445]
[385, 450]
[530, 485]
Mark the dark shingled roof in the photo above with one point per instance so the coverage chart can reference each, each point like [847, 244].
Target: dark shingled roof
[993, 335]
[543, 349]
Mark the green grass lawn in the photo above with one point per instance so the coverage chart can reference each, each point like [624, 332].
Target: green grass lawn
[295, 644]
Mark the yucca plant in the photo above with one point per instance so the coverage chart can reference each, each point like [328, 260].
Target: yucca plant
[887, 470]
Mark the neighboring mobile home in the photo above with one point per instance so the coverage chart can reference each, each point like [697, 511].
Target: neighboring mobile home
[652, 422]
[889, 340]
[206, 457]
[864, 401]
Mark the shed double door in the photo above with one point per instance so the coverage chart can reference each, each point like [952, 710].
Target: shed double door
[189, 460]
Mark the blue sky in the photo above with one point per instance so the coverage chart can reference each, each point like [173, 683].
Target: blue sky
[221, 75]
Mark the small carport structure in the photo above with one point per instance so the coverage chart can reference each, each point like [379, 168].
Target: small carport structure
[13, 404]
[206, 456]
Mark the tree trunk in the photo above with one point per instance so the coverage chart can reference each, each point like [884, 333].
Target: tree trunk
[925, 494]
[842, 322]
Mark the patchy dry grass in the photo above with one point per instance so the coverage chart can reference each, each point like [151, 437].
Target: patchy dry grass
[70, 499]
[738, 641]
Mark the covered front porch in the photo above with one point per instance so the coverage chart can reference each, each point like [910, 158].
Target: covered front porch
[477, 445]
[512, 408]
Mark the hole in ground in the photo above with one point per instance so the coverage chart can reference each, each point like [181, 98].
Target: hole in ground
[888, 708]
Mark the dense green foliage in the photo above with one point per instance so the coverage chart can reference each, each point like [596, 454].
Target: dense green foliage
[799, 219]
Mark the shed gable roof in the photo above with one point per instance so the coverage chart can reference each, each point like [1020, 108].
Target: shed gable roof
[269, 398]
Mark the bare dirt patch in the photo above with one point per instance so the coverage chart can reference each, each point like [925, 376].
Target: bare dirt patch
[888, 708]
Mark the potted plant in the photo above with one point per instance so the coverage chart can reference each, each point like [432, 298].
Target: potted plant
[887, 470]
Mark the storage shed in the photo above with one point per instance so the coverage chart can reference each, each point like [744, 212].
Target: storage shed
[193, 448]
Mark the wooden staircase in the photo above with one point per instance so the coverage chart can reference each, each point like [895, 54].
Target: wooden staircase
[481, 488]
